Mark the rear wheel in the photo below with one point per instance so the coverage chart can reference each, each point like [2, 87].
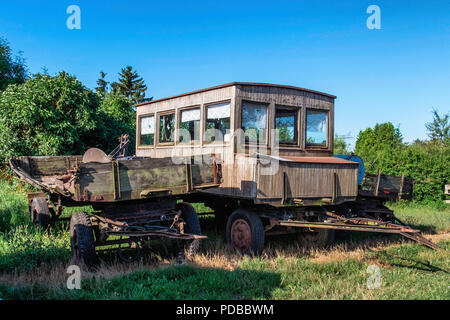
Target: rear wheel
[245, 232]
[40, 213]
[189, 216]
[82, 239]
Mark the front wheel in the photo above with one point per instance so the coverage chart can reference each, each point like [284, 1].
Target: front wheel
[189, 216]
[40, 213]
[245, 232]
[82, 240]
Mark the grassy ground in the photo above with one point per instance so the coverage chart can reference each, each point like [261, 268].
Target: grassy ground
[33, 264]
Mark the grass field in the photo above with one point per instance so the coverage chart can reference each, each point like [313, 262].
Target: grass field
[33, 264]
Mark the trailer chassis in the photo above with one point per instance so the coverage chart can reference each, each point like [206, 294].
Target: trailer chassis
[336, 222]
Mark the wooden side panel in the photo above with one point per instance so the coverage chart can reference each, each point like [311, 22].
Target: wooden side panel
[389, 186]
[95, 179]
[309, 180]
[284, 96]
[48, 166]
[135, 179]
[202, 174]
[238, 178]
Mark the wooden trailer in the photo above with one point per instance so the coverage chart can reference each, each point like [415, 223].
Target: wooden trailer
[276, 148]
[135, 200]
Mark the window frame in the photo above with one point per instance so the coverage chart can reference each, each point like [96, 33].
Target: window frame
[178, 125]
[164, 113]
[205, 120]
[138, 138]
[267, 105]
[296, 111]
[317, 146]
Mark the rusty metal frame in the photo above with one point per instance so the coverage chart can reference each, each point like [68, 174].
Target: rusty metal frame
[119, 228]
[358, 224]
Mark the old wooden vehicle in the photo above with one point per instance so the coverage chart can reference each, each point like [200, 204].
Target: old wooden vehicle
[279, 172]
[135, 199]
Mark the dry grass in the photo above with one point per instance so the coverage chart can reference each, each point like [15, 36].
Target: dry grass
[216, 256]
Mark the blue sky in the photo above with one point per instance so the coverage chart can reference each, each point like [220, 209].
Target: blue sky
[397, 74]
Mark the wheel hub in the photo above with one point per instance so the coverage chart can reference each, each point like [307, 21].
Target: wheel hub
[241, 235]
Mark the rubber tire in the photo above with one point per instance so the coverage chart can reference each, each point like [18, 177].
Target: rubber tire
[40, 213]
[256, 229]
[82, 236]
[192, 226]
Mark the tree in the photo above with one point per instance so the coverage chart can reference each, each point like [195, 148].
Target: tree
[118, 117]
[12, 69]
[130, 85]
[102, 88]
[378, 147]
[48, 116]
[427, 163]
[340, 146]
[439, 128]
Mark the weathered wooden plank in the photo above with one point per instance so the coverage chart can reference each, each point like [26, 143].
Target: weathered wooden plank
[309, 180]
[47, 166]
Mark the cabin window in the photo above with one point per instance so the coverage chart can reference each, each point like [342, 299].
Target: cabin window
[254, 121]
[166, 128]
[147, 131]
[190, 122]
[218, 118]
[286, 125]
[316, 128]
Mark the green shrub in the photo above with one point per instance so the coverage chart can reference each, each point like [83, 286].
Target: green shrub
[47, 116]
[13, 205]
[58, 115]
[381, 148]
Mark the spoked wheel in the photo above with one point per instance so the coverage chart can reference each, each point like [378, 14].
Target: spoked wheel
[131, 253]
[318, 238]
[245, 232]
[40, 213]
[82, 240]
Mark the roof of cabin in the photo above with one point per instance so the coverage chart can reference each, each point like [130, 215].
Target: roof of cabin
[238, 83]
